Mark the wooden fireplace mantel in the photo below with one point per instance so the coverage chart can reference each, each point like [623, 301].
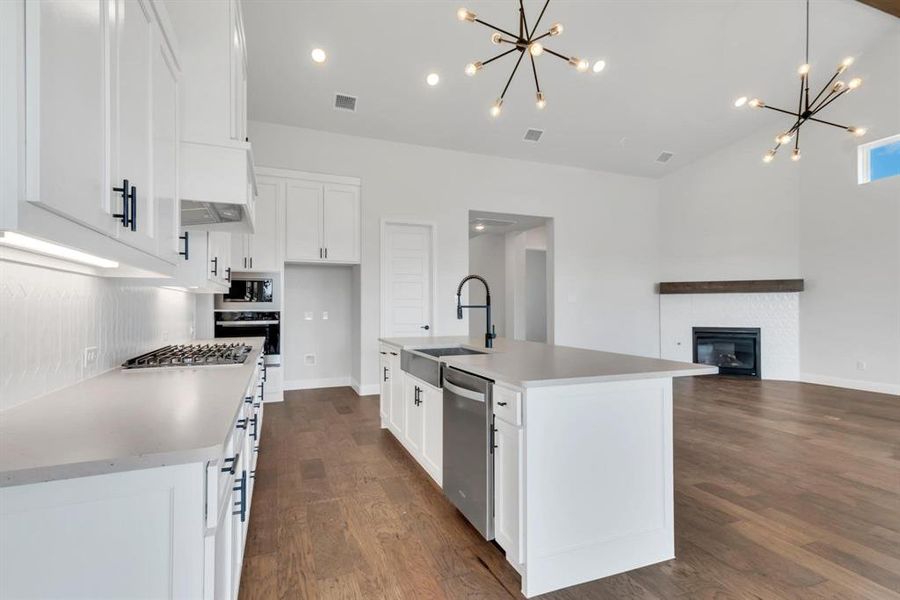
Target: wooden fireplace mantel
[749, 286]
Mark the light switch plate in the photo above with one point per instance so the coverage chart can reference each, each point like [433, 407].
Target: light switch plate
[308, 316]
[90, 356]
[325, 315]
[309, 359]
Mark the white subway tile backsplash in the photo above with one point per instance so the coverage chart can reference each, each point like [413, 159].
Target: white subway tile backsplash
[48, 318]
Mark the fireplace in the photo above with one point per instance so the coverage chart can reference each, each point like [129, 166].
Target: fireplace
[735, 350]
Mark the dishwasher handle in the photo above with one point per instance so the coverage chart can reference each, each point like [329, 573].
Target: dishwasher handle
[470, 394]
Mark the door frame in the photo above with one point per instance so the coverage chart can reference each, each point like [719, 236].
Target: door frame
[433, 266]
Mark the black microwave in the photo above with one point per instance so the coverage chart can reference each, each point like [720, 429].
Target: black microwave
[251, 292]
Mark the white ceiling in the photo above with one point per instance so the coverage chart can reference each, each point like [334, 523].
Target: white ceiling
[674, 68]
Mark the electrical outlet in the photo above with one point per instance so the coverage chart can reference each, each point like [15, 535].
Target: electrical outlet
[325, 315]
[861, 365]
[90, 356]
[309, 360]
[308, 316]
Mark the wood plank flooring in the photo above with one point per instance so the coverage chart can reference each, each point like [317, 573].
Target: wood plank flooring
[782, 491]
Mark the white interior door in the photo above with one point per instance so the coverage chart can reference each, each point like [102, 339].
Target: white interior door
[407, 280]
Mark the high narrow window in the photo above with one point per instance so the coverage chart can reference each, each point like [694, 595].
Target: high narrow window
[879, 159]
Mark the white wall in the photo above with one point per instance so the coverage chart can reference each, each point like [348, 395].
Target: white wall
[317, 289]
[48, 317]
[730, 216]
[535, 295]
[487, 257]
[606, 249]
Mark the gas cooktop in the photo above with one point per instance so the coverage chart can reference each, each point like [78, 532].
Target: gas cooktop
[191, 355]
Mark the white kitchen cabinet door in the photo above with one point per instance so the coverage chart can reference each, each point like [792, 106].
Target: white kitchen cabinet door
[240, 251]
[432, 408]
[303, 221]
[397, 416]
[264, 249]
[67, 110]
[165, 150]
[386, 386]
[238, 75]
[219, 256]
[341, 223]
[507, 489]
[414, 432]
[132, 123]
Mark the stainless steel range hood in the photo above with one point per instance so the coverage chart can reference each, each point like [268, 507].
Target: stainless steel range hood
[218, 186]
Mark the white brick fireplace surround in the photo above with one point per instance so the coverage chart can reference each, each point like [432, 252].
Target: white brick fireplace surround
[776, 314]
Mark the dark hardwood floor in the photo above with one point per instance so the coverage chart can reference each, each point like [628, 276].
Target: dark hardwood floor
[782, 491]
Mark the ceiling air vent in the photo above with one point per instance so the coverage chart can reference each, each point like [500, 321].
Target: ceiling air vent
[533, 135]
[345, 102]
[664, 157]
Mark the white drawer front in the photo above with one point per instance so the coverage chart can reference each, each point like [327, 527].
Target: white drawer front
[508, 405]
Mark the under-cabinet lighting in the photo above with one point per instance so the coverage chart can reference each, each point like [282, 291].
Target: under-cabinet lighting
[24, 242]
[176, 288]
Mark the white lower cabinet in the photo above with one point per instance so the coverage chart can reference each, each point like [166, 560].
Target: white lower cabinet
[508, 474]
[414, 432]
[167, 532]
[384, 405]
[416, 418]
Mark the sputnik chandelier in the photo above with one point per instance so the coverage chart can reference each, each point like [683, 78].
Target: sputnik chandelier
[525, 42]
[808, 109]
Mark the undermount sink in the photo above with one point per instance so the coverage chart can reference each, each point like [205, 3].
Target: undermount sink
[453, 351]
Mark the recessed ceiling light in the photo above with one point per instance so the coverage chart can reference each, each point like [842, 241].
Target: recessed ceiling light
[599, 66]
[479, 227]
[318, 55]
[433, 79]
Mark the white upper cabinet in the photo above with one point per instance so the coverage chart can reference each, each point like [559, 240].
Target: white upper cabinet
[261, 251]
[132, 121]
[341, 223]
[165, 149]
[100, 105]
[303, 221]
[68, 116]
[321, 221]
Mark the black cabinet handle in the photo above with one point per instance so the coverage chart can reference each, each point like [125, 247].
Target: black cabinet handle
[248, 399]
[320, 253]
[418, 400]
[232, 462]
[132, 218]
[242, 501]
[253, 433]
[501, 404]
[228, 274]
[215, 263]
[242, 424]
[393, 354]
[385, 377]
[123, 216]
[245, 262]
[187, 240]
[251, 262]
[326, 252]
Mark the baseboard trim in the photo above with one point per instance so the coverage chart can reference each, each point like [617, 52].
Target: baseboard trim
[853, 384]
[365, 390]
[311, 384]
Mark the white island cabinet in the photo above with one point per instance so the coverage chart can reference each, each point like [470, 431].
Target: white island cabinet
[583, 476]
[132, 484]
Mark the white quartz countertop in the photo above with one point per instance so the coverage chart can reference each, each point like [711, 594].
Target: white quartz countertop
[124, 420]
[532, 364]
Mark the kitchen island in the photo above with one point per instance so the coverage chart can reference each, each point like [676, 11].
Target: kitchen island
[582, 443]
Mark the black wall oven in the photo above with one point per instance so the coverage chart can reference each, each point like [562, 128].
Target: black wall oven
[251, 292]
[265, 324]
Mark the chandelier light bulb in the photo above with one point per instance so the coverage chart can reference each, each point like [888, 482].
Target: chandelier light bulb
[496, 107]
[740, 102]
[838, 86]
[857, 131]
[803, 70]
[599, 66]
[784, 138]
[496, 39]
[465, 14]
[756, 103]
[536, 48]
[854, 83]
[473, 68]
[580, 64]
[795, 155]
[769, 156]
[845, 64]
[540, 102]
[433, 79]
[318, 55]
[556, 29]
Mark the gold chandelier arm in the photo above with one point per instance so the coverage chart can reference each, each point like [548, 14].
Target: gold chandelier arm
[538, 22]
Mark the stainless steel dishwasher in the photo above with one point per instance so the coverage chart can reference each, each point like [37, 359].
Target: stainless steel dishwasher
[468, 448]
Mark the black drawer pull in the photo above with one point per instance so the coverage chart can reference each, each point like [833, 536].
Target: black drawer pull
[233, 462]
[215, 263]
[123, 216]
[501, 404]
[186, 238]
[242, 424]
[242, 502]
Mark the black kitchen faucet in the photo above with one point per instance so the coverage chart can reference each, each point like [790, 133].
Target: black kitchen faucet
[489, 333]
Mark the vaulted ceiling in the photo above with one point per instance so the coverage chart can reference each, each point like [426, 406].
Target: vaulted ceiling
[674, 68]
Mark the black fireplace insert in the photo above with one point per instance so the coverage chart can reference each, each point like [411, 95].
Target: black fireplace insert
[735, 350]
